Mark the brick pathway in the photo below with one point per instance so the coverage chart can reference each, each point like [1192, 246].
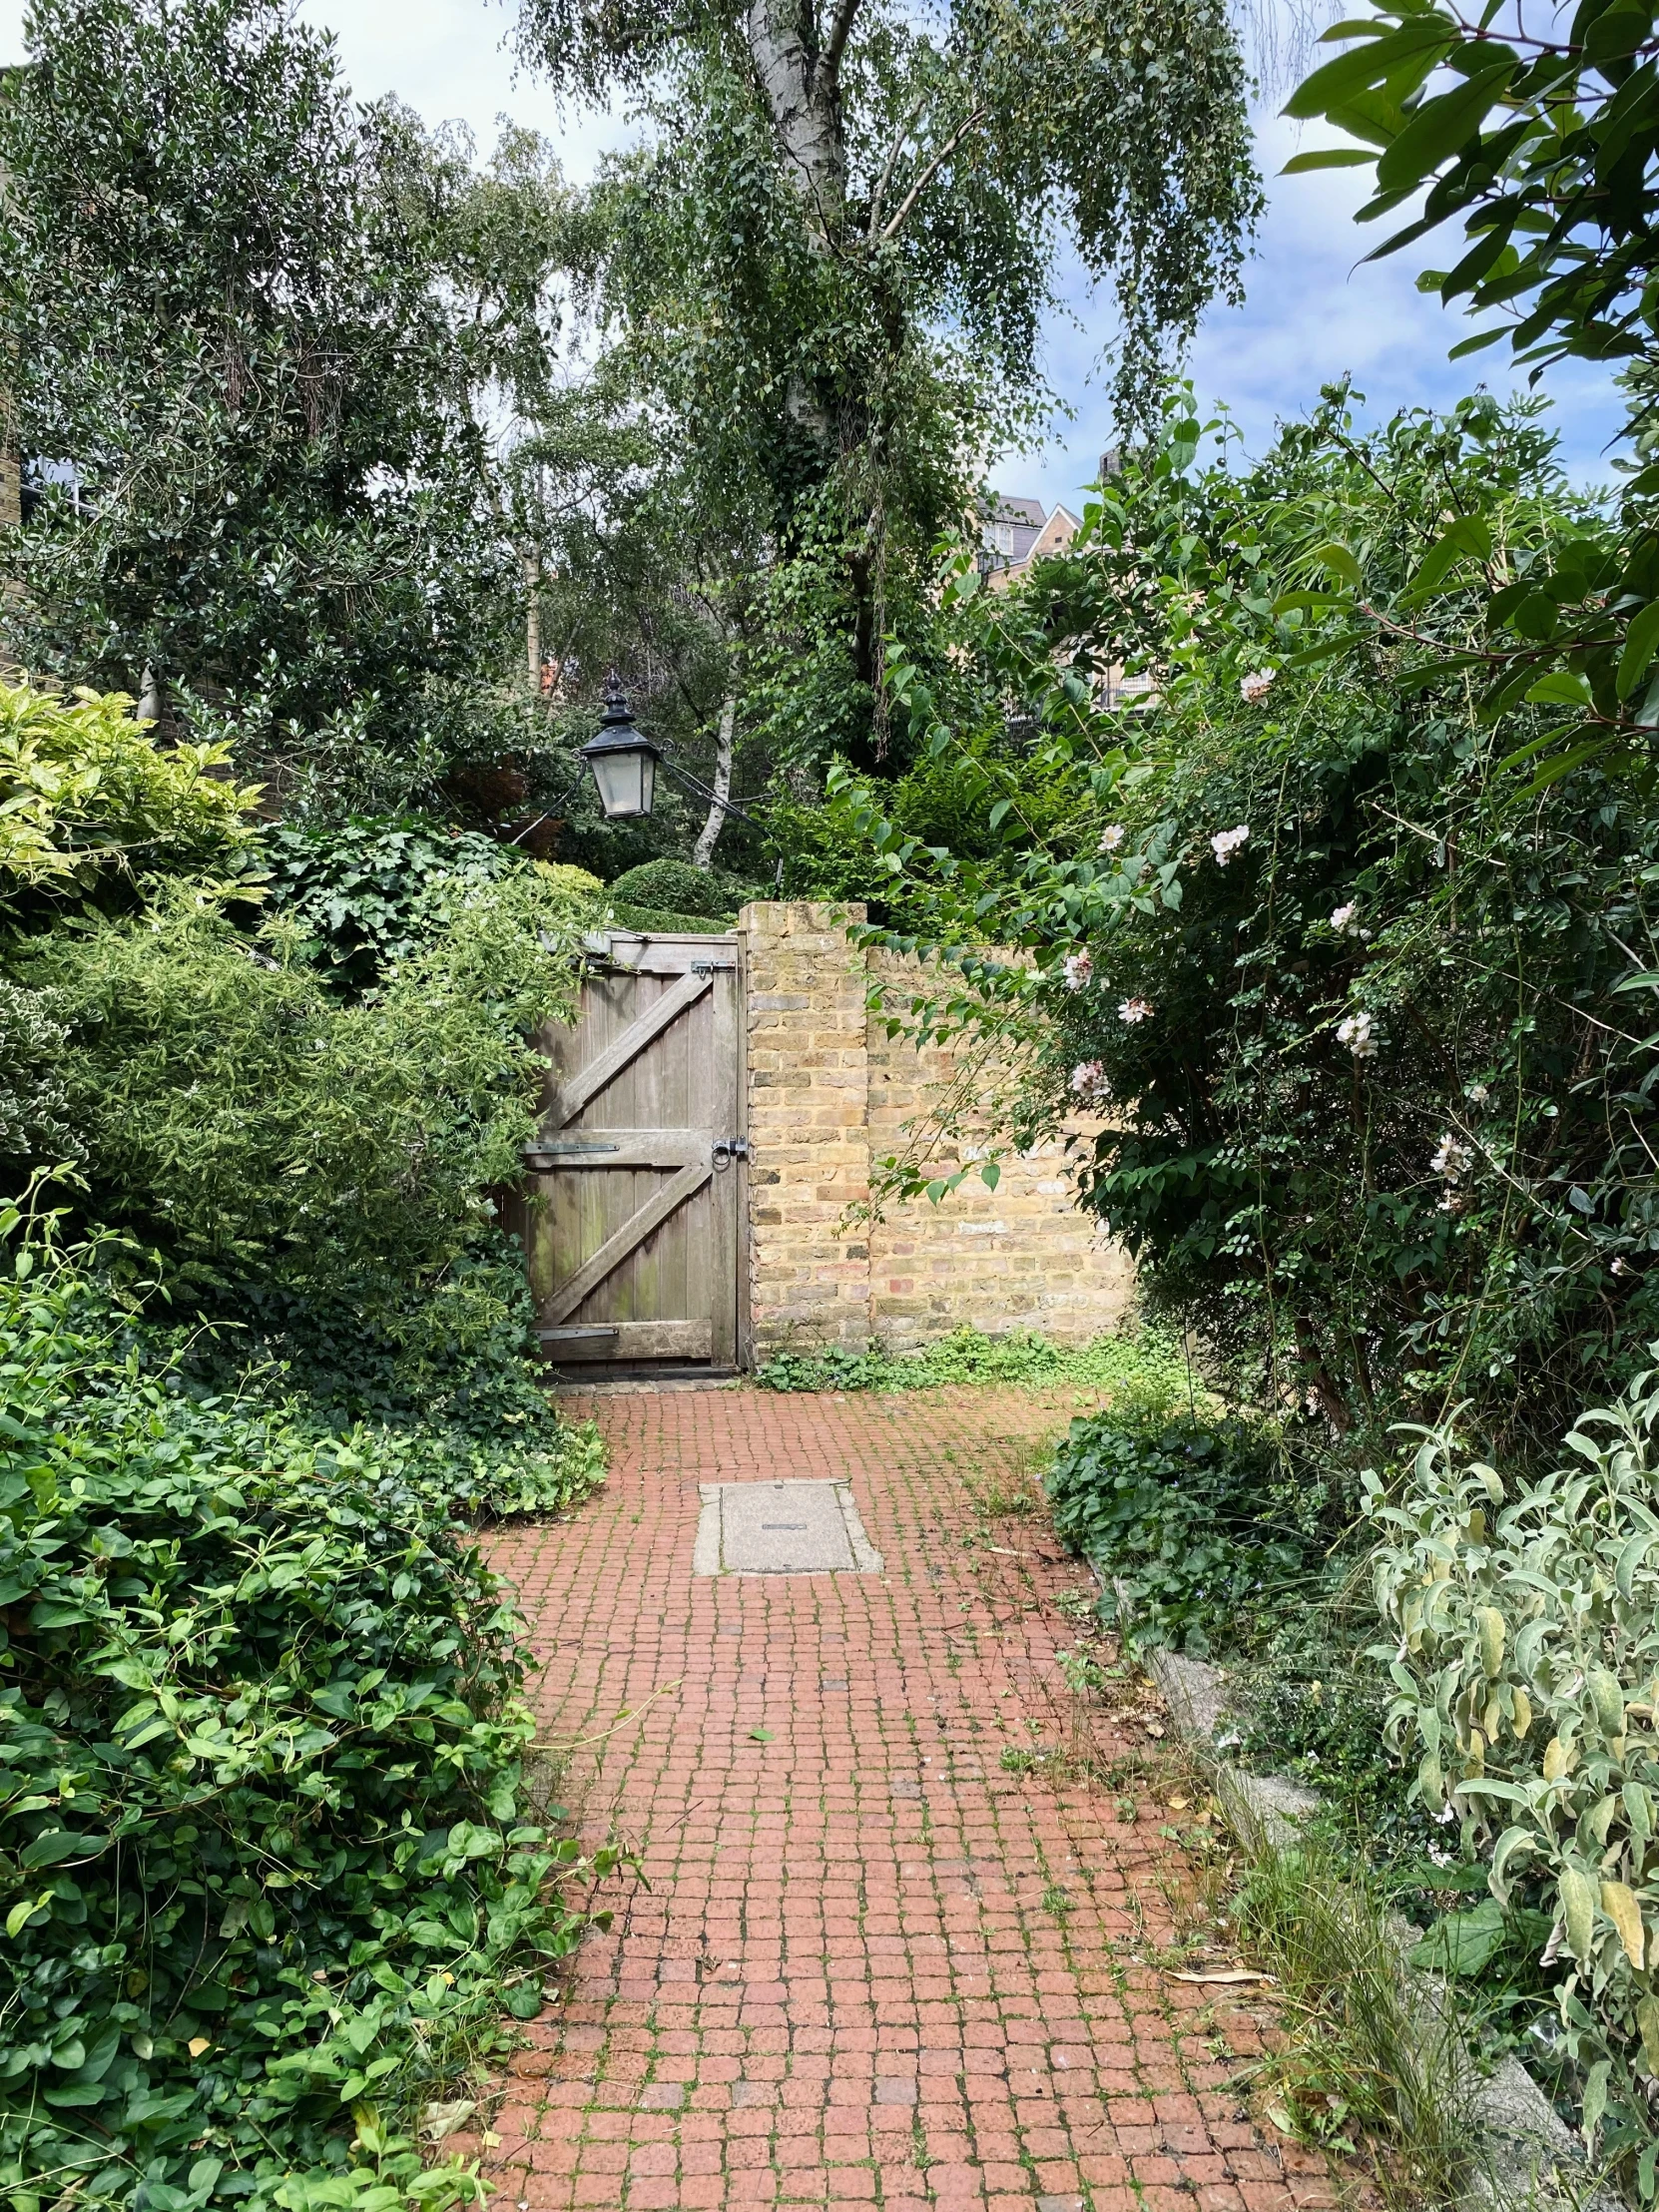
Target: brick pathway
[871, 1966]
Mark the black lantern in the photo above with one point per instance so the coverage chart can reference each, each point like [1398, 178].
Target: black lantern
[624, 762]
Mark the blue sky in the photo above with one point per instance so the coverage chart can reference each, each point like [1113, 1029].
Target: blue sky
[1311, 313]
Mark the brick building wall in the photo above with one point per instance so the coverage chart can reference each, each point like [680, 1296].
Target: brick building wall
[828, 1094]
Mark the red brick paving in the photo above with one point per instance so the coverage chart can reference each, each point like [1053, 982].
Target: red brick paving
[851, 1981]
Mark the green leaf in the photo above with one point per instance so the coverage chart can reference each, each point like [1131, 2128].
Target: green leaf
[760, 1735]
[1562, 687]
[1338, 560]
[1327, 157]
[1439, 127]
[1328, 647]
[1641, 641]
[1414, 46]
[1461, 1942]
[1595, 2099]
[1468, 538]
[55, 1845]
[1475, 344]
[18, 1918]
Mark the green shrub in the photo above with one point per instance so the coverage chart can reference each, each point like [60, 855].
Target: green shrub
[369, 895]
[1526, 1678]
[663, 921]
[1198, 1527]
[322, 1172]
[34, 1124]
[267, 1870]
[678, 887]
[89, 793]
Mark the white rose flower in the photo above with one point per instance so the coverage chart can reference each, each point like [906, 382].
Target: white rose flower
[1257, 685]
[1454, 1158]
[1227, 841]
[1357, 1033]
[1133, 1011]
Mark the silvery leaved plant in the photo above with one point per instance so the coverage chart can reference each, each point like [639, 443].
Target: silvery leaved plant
[1525, 1668]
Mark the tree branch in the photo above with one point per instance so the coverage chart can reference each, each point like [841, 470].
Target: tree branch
[929, 173]
[891, 162]
[841, 27]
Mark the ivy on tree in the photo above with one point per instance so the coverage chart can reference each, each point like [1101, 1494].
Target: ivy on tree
[832, 259]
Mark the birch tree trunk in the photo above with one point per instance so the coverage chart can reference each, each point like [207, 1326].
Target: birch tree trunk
[703, 855]
[801, 79]
[532, 617]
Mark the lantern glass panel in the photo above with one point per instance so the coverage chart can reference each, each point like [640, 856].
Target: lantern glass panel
[627, 779]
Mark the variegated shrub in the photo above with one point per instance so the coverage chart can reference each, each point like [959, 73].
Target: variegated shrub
[1527, 1672]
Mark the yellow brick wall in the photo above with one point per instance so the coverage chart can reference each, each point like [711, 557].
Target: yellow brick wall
[828, 1093]
[809, 1093]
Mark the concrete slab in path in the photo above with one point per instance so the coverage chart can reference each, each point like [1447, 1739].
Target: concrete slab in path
[783, 1527]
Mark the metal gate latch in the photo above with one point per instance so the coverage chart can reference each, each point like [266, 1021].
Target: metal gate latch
[728, 1149]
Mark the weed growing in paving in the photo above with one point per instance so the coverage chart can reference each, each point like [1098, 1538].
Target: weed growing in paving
[1144, 1368]
[1367, 2061]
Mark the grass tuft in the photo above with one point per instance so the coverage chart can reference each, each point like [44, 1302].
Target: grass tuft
[1368, 2059]
[1144, 1370]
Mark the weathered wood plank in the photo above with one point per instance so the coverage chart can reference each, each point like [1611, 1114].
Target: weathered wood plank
[723, 1209]
[616, 1148]
[627, 1340]
[585, 1084]
[569, 1294]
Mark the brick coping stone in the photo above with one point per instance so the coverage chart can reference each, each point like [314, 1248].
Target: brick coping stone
[871, 1966]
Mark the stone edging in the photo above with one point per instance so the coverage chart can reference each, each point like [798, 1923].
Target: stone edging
[1531, 2156]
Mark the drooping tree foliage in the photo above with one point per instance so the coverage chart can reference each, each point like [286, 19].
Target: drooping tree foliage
[832, 259]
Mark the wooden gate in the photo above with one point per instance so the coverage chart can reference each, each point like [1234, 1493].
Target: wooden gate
[634, 1190]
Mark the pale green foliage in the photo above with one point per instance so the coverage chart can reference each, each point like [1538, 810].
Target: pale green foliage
[85, 789]
[230, 1107]
[32, 1103]
[1526, 1673]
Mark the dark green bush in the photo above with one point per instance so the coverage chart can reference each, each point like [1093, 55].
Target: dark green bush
[676, 886]
[267, 1871]
[320, 1173]
[664, 921]
[1198, 1529]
